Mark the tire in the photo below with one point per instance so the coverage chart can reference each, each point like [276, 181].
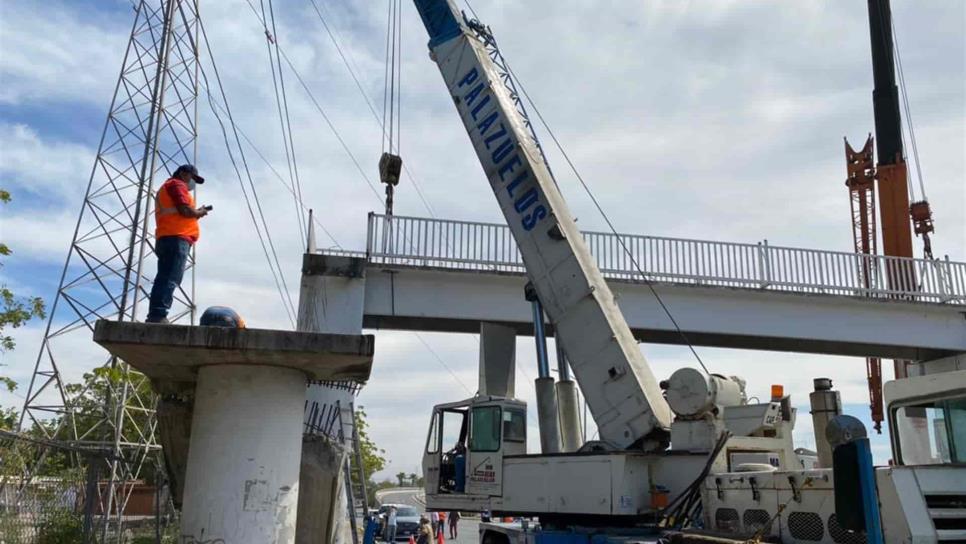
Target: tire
[492, 537]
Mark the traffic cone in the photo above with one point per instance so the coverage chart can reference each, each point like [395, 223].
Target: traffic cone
[439, 538]
[412, 539]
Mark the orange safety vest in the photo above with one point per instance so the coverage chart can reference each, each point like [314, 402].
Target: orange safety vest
[167, 219]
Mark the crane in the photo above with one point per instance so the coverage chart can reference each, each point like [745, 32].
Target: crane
[895, 208]
[618, 385]
[726, 452]
[629, 472]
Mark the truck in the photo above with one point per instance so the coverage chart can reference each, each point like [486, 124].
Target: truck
[921, 493]
[677, 453]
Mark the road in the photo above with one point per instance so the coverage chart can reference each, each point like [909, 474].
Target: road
[468, 527]
[413, 496]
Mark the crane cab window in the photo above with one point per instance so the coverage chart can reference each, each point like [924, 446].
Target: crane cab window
[931, 433]
[514, 425]
[485, 429]
[453, 436]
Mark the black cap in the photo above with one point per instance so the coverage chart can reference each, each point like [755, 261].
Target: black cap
[190, 168]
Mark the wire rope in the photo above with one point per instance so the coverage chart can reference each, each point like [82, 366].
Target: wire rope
[908, 110]
[281, 102]
[620, 240]
[281, 179]
[279, 276]
[346, 56]
[600, 209]
[319, 108]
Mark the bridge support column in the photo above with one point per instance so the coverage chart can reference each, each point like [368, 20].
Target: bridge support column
[243, 462]
[331, 300]
[498, 360]
[247, 389]
[322, 498]
[935, 366]
[332, 294]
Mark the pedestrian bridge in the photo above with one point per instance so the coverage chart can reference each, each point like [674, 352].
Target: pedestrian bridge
[442, 275]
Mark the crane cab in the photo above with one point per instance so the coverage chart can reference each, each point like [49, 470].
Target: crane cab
[465, 447]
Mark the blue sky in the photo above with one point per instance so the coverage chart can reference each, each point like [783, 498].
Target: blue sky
[720, 121]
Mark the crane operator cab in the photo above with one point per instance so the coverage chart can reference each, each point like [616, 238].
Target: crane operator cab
[463, 459]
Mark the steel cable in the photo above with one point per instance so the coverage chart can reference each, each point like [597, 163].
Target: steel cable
[279, 276]
[347, 60]
[647, 280]
[905, 103]
[281, 179]
[278, 84]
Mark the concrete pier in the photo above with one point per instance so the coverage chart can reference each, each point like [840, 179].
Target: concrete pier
[246, 389]
[243, 462]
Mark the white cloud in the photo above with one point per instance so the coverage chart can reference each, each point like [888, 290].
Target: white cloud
[26, 164]
[58, 53]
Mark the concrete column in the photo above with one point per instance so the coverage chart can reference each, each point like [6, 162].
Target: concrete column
[243, 463]
[248, 385]
[498, 362]
[331, 300]
[322, 499]
[332, 294]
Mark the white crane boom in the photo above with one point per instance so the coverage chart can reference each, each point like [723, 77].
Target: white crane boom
[617, 382]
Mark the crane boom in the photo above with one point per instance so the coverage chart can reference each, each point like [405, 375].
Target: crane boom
[617, 382]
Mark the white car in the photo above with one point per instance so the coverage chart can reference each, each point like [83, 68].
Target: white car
[407, 520]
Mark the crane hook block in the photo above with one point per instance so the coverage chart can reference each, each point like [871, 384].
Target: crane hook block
[390, 166]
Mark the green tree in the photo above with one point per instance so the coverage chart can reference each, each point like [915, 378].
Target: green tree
[100, 388]
[15, 312]
[401, 476]
[413, 478]
[8, 415]
[373, 457]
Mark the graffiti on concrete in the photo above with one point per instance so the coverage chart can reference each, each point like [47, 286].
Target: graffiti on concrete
[191, 539]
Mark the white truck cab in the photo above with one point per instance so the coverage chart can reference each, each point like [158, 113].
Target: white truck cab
[463, 458]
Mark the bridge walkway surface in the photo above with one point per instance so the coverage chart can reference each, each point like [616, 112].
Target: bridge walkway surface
[444, 275]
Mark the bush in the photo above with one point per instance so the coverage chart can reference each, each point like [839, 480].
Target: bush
[61, 528]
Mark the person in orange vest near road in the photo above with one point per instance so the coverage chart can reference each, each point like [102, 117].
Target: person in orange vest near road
[441, 525]
[176, 230]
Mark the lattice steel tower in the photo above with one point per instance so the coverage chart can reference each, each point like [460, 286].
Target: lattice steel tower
[150, 129]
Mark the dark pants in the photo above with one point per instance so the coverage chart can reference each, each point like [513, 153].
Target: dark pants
[172, 253]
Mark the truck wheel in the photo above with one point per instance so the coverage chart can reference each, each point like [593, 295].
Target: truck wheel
[491, 537]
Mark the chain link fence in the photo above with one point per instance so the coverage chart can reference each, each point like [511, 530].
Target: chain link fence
[66, 504]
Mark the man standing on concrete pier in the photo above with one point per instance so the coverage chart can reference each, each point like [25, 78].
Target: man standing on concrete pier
[176, 230]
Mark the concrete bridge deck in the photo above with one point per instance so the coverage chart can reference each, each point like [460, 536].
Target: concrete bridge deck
[424, 274]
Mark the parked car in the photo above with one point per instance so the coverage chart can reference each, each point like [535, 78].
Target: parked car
[407, 520]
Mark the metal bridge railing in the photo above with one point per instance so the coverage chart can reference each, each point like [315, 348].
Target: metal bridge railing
[465, 245]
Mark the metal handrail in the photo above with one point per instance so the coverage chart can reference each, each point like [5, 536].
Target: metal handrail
[469, 245]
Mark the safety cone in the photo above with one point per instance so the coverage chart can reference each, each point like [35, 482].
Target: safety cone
[412, 539]
[439, 538]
